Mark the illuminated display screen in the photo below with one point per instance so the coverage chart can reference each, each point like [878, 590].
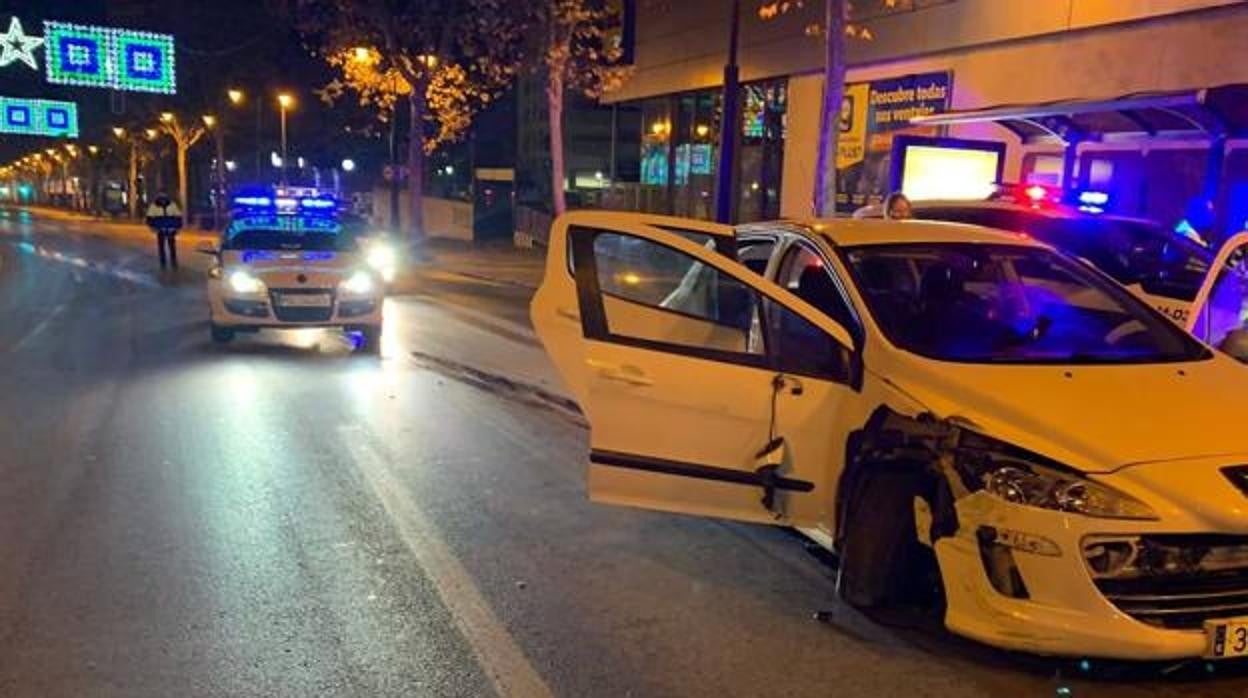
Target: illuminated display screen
[934, 172]
[117, 59]
[38, 117]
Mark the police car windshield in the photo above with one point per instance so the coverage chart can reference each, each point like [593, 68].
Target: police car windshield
[1133, 252]
[288, 233]
[979, 303]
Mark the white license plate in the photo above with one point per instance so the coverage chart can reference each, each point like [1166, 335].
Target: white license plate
[1227, 638]
[304, 300]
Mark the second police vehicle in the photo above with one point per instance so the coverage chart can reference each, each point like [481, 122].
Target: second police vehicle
[1160, 266]
[286, 260]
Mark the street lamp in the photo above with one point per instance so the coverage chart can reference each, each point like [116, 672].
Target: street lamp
[285, 101]
[166, 117]
[218, 137]
[235, 95]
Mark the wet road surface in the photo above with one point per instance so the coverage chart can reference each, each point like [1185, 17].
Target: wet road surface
[280, 517]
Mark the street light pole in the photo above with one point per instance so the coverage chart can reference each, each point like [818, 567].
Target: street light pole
[284, 101]
[394, 154]
[724, 189]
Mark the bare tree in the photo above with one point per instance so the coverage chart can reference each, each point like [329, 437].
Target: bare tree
[578, 55]
[184, 137]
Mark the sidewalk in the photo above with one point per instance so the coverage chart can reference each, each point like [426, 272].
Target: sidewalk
[496, 262]
[131, 233]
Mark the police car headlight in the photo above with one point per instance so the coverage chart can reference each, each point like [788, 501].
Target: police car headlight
[243, 282]
[383, 259]
[1019, 477]
[360, 283]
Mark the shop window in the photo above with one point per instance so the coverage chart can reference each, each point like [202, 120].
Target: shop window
[764, 108]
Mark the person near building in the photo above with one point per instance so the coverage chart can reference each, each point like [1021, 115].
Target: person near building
[897, 207]
[164, 217]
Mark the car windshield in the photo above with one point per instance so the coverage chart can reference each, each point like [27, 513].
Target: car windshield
[1133, 252]
[982, 303]
[288, 233]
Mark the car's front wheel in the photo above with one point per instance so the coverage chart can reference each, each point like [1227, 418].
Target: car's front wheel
[882, 562]
[221, 335]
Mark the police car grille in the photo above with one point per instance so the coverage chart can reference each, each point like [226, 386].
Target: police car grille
[1186, 587]
[299, 314]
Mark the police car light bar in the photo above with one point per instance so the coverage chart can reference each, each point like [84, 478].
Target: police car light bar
[286, 204]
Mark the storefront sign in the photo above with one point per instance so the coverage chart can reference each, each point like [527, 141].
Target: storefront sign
[871, 114]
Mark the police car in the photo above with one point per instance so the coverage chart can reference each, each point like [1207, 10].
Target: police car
[1158, 265]
[286, 261]
[968, 418]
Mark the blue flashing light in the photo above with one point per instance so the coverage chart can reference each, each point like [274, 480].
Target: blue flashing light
[253, 201]
[318, 203]
[1093, 198]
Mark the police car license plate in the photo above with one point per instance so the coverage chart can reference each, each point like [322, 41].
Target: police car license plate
[1227, 638]
[304, 300]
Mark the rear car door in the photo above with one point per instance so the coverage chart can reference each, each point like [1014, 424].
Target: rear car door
[692, 408]
[1219, 316]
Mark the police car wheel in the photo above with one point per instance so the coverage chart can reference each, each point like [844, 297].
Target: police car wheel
[221, 335]
[370, 339]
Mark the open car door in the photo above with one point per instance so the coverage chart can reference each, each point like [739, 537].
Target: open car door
[709, 390]
[1219, 315]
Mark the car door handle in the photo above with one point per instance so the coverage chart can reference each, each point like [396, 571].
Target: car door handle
[568, 314]
[622, 374]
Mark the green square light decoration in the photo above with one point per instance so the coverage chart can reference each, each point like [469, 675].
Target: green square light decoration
[117, 59]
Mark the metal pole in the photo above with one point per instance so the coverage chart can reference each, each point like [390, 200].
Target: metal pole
[724, 190]
[259, 146]
[394, 156]
[283, 143]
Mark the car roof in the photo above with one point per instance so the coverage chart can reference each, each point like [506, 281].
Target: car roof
[855, 231]
[1062, 212]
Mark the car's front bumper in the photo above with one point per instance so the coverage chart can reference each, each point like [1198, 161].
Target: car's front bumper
[1049, 602]
[263, 310]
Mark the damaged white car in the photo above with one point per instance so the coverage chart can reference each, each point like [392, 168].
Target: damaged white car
[966, 417]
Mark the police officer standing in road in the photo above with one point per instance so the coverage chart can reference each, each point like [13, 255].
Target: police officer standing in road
[165, 218]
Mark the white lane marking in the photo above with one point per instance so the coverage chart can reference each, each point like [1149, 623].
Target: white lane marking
[500, 657]
[38, 329]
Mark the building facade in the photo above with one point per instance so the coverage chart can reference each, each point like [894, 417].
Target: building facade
[914, 58]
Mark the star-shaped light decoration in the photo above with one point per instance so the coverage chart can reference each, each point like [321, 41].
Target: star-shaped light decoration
[16, 46]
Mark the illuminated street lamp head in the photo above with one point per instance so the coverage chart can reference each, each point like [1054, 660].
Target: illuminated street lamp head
[235, 95]
[285, 100]
[361, 54]
[93, 149]
[428, 60]
[151, 134]
[210, 120]
[166, 117]
[119, 132]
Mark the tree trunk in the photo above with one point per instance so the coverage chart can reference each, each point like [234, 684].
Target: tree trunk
[416, 162]
[830, 111]
[554, 109]
[182, 186]
[132, 192]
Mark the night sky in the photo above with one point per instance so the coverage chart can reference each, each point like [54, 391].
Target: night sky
[248, 44]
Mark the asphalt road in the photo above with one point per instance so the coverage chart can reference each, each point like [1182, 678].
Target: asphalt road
[280, 517]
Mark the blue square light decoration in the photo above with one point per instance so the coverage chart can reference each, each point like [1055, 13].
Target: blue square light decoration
[118, 59]
[38, 117]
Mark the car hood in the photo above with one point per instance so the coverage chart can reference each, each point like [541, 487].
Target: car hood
[269, 260]
[1094, 418]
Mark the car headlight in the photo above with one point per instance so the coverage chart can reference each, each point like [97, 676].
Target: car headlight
[383, 259]
[243, 282]
[360, 283]
[1021, 477]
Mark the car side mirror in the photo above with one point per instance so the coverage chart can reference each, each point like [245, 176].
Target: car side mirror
[207, 248]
